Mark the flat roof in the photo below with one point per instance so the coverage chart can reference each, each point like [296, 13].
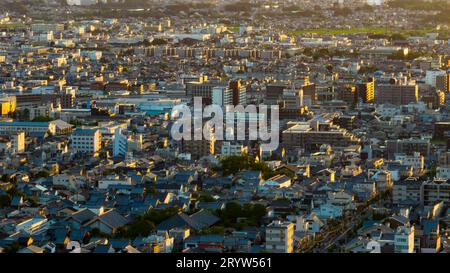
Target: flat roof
[25, 123]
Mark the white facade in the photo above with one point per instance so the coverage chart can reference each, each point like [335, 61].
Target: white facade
[18, 142]
[416, 161]
[443, 172]
[404, 240]
[120, 143]
[103, 184]
[81, 2]
[430, 77]
[229, 149]
[86, 140]
[280, 237]
[222, 95]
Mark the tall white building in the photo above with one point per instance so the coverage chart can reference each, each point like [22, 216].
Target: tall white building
[280, 237]
[404, 239]
[82, 2]
[18, 142]
[120, 143]
[222, 95]
[125, 144]
[430, 77]
[86, 140]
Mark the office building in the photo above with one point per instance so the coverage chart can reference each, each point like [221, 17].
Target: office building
[239, 96]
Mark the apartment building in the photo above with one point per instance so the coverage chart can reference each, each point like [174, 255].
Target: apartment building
[366, 90]
[433, 191]
[85, 140]
[416, 160]
[397, 94]
[301, 135]
[404, 239]
[280, 237]
[407, 146]
[407, 191]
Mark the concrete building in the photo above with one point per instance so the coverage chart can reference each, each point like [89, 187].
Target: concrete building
[85, 140]
[199, 148]
[366, 90]
[18, 142]
[397, 94]
[280, 237]
[238, 91]
[431, 76]
[229, 149]
[7, 105]
[407, 146]
[407, 191]
[404, 239]
[29, 128]
[416, 160]
[302, 135]
[434, 191]
[123, 144]
[222, 95]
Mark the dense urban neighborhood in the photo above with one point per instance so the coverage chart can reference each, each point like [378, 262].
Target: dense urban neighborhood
[91, 92]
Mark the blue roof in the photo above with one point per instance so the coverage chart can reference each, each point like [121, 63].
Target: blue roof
[25, 123]
[85, 131]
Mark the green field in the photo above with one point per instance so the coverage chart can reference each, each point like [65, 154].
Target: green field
[234, 29]
[12, 25]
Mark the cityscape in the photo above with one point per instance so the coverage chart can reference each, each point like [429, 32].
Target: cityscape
[224, 126]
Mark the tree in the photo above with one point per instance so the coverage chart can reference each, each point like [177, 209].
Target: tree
[5, 200]
[241, 6]
[43, 174]
[141, 227]
[253, 214]
[206, 198]
[42, 119]
[308, 51]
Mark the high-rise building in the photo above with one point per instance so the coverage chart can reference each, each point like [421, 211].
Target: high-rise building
[233, 94]
[18, 142]
[221, 95]
[201, 89]
[443, 82]
[366, 90]
[7, 105]
[120, 143]
[199, 148]
[86, 140]
[239, 94]
[273, 93]
[124, 144]
[348, 94]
